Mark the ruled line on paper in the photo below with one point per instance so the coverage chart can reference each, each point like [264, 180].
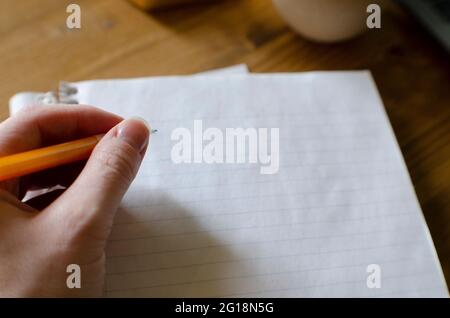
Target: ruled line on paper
[421, 292]
[271, 181]
[405, 292]
[260, 196]
[403, 214]
[166, 144]
[167, 159]
[253, 294]
[280, 210]
[398, 229]
[253, 167]
[278, 195]
[367, 119]
[175, 169]
[316, 269]
[351, 113]
[337, 251]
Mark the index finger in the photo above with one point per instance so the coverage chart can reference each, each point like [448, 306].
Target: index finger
[41, 125]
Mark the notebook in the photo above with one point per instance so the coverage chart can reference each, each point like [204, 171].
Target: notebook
[323, 208]
[19, 100]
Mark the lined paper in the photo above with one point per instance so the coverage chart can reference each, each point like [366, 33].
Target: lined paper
[22, 99]
[341, 200]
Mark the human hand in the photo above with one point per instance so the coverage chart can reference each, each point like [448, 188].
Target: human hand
[40, 239]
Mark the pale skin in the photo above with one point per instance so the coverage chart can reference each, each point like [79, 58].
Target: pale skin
[39, 239]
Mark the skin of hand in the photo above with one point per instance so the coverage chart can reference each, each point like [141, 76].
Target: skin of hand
[37, 244]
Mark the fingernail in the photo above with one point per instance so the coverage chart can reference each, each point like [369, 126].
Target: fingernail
[134, 131]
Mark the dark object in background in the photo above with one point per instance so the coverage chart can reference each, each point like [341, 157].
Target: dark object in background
[156, 4]
[435, 15]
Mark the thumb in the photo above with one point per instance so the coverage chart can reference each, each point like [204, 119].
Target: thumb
[94, 197]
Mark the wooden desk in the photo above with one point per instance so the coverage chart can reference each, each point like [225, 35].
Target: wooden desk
[117, 40]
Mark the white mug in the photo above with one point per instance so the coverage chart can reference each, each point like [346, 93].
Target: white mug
[325, 20]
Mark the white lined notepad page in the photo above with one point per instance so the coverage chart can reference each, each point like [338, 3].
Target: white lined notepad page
[22, 99]
[340, 201]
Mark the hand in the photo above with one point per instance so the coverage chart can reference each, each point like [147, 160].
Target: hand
[38, 240]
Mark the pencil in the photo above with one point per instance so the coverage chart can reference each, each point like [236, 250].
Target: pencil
[24, 163]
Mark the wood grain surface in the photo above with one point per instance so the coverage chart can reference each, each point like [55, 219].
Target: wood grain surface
[411, 70]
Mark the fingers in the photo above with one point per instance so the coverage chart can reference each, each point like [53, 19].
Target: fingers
[96, 194]
[34, 127]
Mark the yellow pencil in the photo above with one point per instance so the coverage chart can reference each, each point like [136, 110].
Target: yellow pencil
[24, 163]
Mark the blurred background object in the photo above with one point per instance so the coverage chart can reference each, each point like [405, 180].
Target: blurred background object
[435, 15]
[325, 20]
[155, 4]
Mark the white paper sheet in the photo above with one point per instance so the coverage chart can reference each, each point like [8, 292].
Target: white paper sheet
[22, 99]
[341, 200]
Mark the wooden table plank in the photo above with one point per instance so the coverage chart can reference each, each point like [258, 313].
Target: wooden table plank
[116, 40]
